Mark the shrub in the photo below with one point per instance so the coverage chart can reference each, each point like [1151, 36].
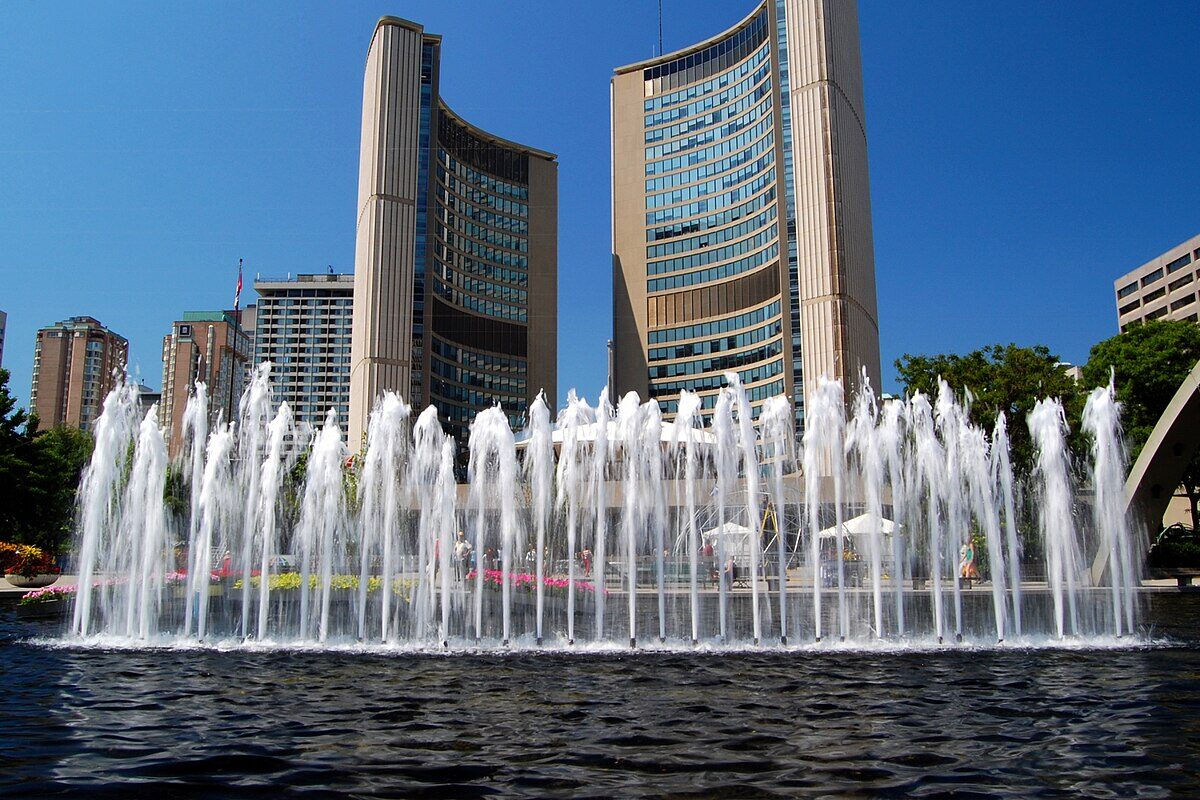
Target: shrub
[1175, 555]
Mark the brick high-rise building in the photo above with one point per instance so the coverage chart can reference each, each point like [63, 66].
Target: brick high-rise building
[214, 347]
[76, 363]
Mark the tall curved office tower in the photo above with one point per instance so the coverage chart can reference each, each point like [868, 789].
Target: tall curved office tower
[742, 212]
[455, 266]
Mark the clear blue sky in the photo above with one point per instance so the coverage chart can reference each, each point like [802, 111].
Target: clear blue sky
[1023, 155]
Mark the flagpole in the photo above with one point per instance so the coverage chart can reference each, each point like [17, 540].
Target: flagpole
[233, 348]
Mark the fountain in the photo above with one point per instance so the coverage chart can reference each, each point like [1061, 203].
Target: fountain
[289, 538]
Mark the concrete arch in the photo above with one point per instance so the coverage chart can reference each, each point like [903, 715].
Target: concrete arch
[1159, 468]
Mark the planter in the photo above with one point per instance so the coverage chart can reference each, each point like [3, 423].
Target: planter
[31, 581]
[52, 609]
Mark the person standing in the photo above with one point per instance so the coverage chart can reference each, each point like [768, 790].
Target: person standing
[462, 554]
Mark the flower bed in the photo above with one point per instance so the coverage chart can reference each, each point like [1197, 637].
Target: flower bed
[50, 594]
[494, 578]
[292, 580]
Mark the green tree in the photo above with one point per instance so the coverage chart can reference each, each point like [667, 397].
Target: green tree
[16, 462]
[1148, 363]
[1004, 378]
[39, 476]
[61, 455]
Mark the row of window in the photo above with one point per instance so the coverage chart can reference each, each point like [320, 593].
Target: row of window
[712, 220]
[331, 344]
[287, 297]
[484, 288]
[488, 308]
[746, 264]
[480, 197]
[714, 327]
[474, 248]
[480, 233]
[471, 267]
[713, 59]
[717, 83]
[712, 203]
[734, 145]
[714, 254]
[761, 111]
[1179, 263]
[273, 334]
[752, 375]
[1193, 317]
[481, 179]
[710, 101]
[712, 117]
[732, 342]
[718, 363]
[720, 184]
[471, 397]
[713, 237]
[488, 381]
[470, 358]
[1156, 275]
[479, 214]
[715, 168]
[709, 401]
[461, 416]
[286, 362]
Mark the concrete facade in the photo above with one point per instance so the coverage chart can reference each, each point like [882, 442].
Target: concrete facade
[1162, 288]
[303, 329]
[741, 210]
[214, 347]
[456, 251]
[76, 363]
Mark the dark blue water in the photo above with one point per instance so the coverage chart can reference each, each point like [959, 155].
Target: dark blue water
[951, 723]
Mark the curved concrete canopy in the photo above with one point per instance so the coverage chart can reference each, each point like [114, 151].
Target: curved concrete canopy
[1159, 468]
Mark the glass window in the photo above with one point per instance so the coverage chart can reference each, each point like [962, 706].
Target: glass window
[1179, 263]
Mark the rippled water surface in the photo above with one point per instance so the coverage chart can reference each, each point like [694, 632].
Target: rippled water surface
[951, 723]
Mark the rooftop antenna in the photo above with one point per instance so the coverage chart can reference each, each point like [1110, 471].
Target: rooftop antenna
[660, 47]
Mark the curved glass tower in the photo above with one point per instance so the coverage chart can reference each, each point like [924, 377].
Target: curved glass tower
[455, 295]
[741, 211]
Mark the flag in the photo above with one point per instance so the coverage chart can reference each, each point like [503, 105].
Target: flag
[237, 296]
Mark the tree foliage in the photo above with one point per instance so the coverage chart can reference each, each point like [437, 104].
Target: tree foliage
[1148, 364]
[999, 378]
[39, 475]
